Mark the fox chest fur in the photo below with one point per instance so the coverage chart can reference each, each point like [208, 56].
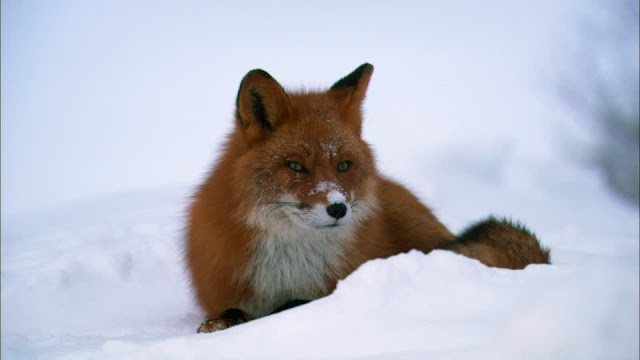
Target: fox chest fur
[290, 264]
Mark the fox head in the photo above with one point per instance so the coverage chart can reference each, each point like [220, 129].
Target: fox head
[302, 162]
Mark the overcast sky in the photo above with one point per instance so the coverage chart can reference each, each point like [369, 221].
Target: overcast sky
[101, 97]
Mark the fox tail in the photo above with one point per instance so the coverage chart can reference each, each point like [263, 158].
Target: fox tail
[500, 243]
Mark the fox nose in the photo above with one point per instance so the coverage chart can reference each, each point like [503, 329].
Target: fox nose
[337, 210]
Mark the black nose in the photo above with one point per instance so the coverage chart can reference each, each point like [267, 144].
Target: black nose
[337, 210]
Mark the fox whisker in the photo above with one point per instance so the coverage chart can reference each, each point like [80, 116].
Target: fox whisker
[299, 206]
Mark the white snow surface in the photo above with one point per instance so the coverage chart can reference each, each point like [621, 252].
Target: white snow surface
[105, 280]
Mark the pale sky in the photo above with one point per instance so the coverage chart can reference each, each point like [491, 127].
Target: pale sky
[102, 97]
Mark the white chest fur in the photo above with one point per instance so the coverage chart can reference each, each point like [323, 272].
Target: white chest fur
[294, 264]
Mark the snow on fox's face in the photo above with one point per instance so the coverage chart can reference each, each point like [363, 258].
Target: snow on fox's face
[313, 175]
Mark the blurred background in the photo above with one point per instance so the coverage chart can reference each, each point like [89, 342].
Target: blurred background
[527, 97]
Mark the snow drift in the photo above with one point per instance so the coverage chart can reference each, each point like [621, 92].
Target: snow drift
[106, 280]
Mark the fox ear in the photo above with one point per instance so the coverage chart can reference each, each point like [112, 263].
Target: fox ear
[261, 105]
[350, 92]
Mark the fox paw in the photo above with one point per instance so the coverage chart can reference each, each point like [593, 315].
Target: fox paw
[228, 319]
[212, 325]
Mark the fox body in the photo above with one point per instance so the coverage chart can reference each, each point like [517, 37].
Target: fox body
[295, 203]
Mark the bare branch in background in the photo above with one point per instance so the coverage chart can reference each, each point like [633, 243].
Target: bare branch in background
[603, 90]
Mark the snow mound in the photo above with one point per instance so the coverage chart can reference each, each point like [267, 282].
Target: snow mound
[109, 284]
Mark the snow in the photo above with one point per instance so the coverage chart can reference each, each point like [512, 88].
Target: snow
[324, 186]
[91, 269]
[330, 149]
[105, 280]
[334, 196]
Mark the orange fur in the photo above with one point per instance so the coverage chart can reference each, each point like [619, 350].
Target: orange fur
[258, 234]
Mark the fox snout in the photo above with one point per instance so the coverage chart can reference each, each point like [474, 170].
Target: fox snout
[334, 212]
[321, 211]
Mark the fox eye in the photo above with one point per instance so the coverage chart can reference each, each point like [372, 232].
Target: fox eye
[344, 166]
[295, 166]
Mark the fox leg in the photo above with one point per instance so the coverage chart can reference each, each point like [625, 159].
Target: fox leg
[232, 317]
[500, 243]
[227, 319]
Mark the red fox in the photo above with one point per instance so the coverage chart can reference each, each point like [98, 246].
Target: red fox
[295, 203]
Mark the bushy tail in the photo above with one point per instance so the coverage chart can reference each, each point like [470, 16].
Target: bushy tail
[500, 243]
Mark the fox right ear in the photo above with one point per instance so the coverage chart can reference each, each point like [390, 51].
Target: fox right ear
[261, 105]
[350, 91]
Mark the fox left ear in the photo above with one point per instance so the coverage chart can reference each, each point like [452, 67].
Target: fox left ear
[350, 92]
[261, 106]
